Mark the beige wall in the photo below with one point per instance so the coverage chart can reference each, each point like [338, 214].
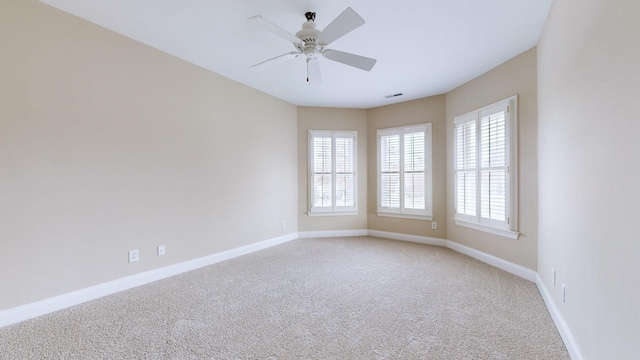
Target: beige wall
[515, 77]
[313, 118]
[426, 110]
[589, 159]
[108, 145]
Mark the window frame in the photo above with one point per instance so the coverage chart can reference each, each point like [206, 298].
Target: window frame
[334, 210]
[508, 228]
[401, 211]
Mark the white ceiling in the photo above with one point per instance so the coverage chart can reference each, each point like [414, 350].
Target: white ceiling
[423, 47]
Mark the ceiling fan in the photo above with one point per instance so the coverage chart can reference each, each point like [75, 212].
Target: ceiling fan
[311, 42]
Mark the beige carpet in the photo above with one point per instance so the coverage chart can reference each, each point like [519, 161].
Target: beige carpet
[339, 298]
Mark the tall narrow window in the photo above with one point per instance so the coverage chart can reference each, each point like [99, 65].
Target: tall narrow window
[404, 172]
[485, 168]
[332, 172]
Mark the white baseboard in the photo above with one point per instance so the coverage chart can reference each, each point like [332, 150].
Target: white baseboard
[331, 233]
[495, 261]
[32, 310]
[406, 237]
[507, 266]
[558, 319]
[35, 309]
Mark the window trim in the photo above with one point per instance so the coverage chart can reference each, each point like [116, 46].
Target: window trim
[511, 231]
[427, 213]
[504, 233]
[333, 210]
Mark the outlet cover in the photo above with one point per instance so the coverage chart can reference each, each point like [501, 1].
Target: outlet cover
[160, 250]
[134, 255]
[434, 225]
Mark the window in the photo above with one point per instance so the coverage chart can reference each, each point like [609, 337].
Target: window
[486, 170]
[332, 173]
[404, 172]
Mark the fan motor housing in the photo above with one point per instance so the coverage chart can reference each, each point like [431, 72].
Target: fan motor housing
[309, 33]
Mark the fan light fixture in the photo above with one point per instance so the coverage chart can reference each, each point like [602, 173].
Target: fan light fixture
[312, 42]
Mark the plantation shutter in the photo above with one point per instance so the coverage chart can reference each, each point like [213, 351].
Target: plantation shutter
[484, 188]
[414, 170]
[493, 164]
[390, 171]
[332, 171]
[404, 172]
[466, 166]
[322, 169]
[345, 172]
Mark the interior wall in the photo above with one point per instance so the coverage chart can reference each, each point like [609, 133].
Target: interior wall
[425, 110]
[515, 77]
[315, 118]
[588, 73]
[108, 145]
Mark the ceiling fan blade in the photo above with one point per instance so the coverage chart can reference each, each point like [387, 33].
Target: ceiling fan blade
[343, 24]
[354, 60]
[267, 25]
[313, 71]
[277, 59]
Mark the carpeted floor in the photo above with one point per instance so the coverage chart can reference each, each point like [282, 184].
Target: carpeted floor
[336, 298]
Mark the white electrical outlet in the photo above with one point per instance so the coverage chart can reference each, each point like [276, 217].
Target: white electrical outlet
[554, 276]
[564, 294]
[284, 224]
[434, 225]
[134, 255]
[160, 250]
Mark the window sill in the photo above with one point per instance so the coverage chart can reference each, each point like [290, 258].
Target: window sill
[504, 233]
[332, 213]
[404, 216]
